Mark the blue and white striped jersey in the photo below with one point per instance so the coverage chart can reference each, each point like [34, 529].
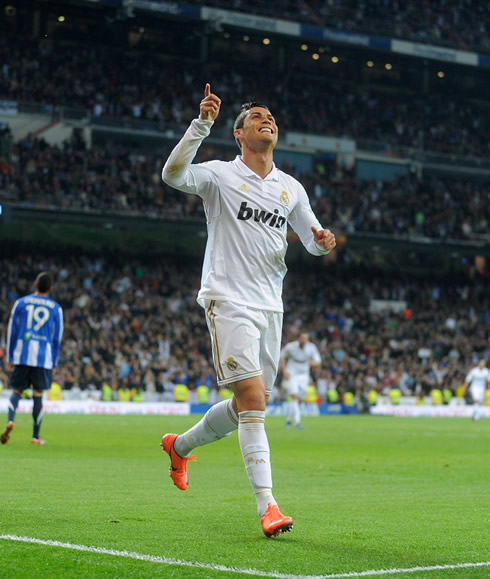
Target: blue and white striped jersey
[34, 332]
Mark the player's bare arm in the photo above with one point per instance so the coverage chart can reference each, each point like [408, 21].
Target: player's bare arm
[325, 238]
[285, 372]
[210, 105]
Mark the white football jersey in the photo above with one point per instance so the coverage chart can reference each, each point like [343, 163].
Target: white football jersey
[478, 377]
[298, 358]
[247, 219]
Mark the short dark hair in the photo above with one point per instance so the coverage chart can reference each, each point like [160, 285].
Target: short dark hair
[238, 124]
[44, 282]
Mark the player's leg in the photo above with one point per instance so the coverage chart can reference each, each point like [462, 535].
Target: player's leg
[18, 382]
[293, 408]
[250, 395]
[295, 414]
[250, 399]
[41, 381]
[12, 410]
[477, 394]
[13, 404]
[302, 385]
[286, 405]
[234, 334]
[221, 419]
[37, 416]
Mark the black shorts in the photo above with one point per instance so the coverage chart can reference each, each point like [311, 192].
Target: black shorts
[24, 377]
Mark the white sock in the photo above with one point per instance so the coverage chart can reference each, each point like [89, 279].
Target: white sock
[477, 412]
[256, 456]
[295, 412]
[219, 421]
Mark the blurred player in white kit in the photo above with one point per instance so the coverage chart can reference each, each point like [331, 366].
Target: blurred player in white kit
[477, 381]
[297, 359]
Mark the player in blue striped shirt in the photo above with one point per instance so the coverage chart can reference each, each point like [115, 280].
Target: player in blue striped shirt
[34, 336]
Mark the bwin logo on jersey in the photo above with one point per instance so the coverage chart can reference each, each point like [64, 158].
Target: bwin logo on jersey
[260, 215]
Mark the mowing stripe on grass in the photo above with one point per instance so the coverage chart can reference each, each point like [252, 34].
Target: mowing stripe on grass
[256, 572]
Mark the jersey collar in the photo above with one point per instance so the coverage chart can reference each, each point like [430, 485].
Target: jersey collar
[272, 176]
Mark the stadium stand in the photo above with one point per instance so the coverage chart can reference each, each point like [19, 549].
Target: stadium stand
[455, 23]
[139, 86]
[118, 179]
[126, 87]
[135, 320]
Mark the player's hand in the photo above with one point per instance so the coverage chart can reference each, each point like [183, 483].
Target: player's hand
[10, 367]
[210, 105]
[325, 238]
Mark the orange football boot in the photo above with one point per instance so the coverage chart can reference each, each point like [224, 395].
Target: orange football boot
[274, 522]
[178, 464]
[4, 438]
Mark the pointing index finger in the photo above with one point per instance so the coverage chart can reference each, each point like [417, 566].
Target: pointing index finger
[207, 90]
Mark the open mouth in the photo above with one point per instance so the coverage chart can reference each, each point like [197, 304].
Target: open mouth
[266, 130]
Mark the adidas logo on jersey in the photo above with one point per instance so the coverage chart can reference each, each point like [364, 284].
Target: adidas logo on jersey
[243, 188]
[260, 215]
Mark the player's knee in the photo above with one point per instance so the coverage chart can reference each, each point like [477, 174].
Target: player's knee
[250, 394]
[251, 399]
[255, 403]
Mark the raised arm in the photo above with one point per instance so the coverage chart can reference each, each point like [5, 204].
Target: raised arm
[177, 171]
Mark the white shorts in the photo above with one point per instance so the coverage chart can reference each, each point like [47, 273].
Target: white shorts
[297, 385]
[246, 342]
[477, 393]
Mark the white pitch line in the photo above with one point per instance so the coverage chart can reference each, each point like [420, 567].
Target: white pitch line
[210, 566]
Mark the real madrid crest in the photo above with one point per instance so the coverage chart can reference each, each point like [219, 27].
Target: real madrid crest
[284, 198]
[232, 365]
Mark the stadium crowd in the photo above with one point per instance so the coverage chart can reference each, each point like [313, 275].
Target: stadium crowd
[460, 24]
[119, 180]
[139, 86]
[135, 322]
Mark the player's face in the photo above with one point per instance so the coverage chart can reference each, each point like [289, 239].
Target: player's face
[303, 338]
[259, 131]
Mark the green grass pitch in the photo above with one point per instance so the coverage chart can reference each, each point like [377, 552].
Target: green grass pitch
[365, 492]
